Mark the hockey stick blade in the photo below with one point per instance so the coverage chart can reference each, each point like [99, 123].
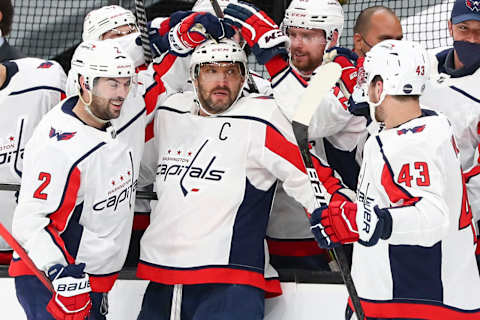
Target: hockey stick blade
[318, 87]
[25, 258]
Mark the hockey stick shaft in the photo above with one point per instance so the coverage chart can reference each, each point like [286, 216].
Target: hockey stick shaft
[24, 256]
[318, 87]
[141, 195]
[219, 13]
[142, 25]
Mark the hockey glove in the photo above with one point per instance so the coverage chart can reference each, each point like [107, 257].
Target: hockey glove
[194, 30]
[358, 101]
[346, 59]
[71, 299]
[337, 224]
[158, 28]
[259, 31]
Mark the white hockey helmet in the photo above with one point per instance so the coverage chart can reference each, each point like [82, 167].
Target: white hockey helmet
[211, 51]
[206, 5]
[99, 21]
[326, 15]
[95, 59]
[403, 65]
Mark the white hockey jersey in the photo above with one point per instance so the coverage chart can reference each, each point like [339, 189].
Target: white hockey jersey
[32, 87]
[215, 179]
[334, 134]
[459, 99]
[427, 268]
[76, 200]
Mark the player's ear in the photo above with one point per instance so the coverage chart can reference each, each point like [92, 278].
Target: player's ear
[357, 42]
[83, 84]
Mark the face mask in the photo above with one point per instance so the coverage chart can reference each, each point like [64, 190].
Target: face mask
[468, 53]
[129, 44]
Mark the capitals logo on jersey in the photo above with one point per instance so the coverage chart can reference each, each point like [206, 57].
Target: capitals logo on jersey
[473, 5]
[187, 169]
[45, 65]
[61, 135]
[412, 130]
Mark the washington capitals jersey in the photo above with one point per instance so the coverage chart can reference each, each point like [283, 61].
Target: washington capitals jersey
[459, 99]
[32, 87]
[215, 179]
[427, 268]
[77, 197]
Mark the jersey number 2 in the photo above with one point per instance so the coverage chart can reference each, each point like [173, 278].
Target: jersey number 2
[45, 177]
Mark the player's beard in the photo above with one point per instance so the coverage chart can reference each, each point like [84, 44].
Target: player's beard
[103, 109]
[305, 63]
[214, 104]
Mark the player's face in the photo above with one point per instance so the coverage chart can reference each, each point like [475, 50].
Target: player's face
[306, 48]
[119, 32]
[218, 85]
[383, 26]
[108, 96]
[468, 31]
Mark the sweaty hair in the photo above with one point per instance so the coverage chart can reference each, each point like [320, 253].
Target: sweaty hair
[363, 20]
[7, 11]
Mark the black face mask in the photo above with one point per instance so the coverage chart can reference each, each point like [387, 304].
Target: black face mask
[468, 53]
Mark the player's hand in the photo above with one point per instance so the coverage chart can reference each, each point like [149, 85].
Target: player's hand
[71, 299]
[338, 224]
[259, 31]
[158, 28]
[194, 30]
[347, 60]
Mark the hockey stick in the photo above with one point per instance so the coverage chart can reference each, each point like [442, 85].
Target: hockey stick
[141, 195]
[25, 258]
[142, 25]
[319, 85]
[219, 13]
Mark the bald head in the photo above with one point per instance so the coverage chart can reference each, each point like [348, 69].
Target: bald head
[373, 25]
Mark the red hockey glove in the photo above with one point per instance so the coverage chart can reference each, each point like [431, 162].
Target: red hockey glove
[337, 224]
[194, 30]
[346, 59]
[71, 300]
[259, 31]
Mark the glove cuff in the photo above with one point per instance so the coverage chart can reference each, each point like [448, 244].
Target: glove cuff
[265, 55]
[386, 217]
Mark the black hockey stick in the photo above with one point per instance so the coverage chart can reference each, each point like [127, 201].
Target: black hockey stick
[219, 13]
[141, 195]
[319, 85]
[142, 25]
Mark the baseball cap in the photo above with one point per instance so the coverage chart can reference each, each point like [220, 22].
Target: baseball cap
[464, 10]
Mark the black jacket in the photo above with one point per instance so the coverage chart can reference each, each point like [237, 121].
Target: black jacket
[8, 52]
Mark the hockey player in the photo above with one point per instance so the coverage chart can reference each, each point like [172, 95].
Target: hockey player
[75, 210]
[29, 88]
[413, 256]
[452, 90]
[219, 156]
[312, 27]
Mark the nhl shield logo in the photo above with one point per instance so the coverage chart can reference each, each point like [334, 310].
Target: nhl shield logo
[473, 5]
